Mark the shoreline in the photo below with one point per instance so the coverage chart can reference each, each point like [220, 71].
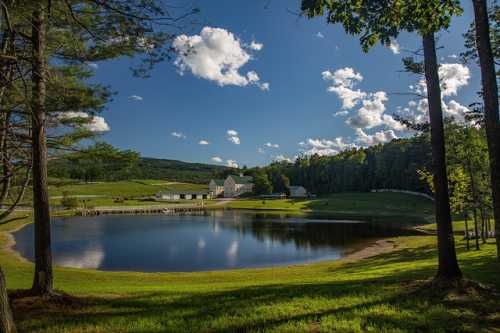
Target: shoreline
[372, 249]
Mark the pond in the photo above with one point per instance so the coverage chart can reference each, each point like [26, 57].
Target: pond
[216, 241]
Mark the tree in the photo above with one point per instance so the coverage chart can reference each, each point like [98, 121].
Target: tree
[262, 185]
[490, 100]
[6, 321]
[72, 33]
[381, 21]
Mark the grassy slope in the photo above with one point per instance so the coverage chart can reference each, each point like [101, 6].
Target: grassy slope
[351, 205]
[374, 294]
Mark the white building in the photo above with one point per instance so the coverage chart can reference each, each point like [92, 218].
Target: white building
[216, 187]
[235, 186]
[298, 192]
[182, 195]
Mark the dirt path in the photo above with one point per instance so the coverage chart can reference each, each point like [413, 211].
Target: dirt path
[379, 247]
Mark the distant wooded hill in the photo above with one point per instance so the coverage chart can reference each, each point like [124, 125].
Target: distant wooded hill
[142, 168]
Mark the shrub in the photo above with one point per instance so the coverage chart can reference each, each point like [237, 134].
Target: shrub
[68, 201]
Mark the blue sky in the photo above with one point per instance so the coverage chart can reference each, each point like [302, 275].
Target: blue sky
[297, 107]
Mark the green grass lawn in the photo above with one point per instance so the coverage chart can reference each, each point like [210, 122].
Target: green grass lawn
[373, 206]
[377, 294]
[121, 188]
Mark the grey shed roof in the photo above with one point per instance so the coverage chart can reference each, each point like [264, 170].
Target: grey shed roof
[296, 187]
[218, 182]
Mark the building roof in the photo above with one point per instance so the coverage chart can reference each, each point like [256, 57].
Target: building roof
[241, 179]
[182, 192]
[296, 187]
[218, 182]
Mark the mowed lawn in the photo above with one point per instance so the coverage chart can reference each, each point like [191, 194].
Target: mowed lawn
[386, 293]
[372, 206]
[143, 187]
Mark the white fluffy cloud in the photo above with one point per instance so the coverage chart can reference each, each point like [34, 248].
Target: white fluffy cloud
[256, 46]
[343, 81]
[216, 159]
[178, 135]
[233, 136]
[272, 145]
[451, 77]
[94, 123]
[394, 46]
[377, 138]
[203, 142]
[92, 65]
[232, 163]
[370, 114]
[324, 147]
[216, 55]
[136, 98]
[282, 158]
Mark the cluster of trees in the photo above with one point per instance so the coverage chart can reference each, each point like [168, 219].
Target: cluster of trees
[394, 165]
[380, 21]
[103, 162]
[46, 100]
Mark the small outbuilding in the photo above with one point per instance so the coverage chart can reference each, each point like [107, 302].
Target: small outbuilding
[298, 192]
[183, 195]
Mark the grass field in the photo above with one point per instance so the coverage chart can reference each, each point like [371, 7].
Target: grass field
[373, 206]
[377, 294]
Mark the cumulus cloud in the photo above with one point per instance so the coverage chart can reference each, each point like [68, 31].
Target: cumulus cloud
[320, 35]
[272, 145]
[233, 136]
[92, 65]
[178, 135]
[370, 114]
[232, 163]
[203, 142]
[324, 147]
[375, 139]
[343, 81]
[256, 46]
[452, 77]
[282, 158]
[216, 55]
[261, 151]
[394, 46]
[92, 123]
[136, 98]
[216, 159]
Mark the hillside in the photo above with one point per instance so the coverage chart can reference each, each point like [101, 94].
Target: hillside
[143, 168]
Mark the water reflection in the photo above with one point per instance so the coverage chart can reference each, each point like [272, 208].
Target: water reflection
[220, 240]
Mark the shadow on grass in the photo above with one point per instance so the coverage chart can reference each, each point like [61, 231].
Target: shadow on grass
[388, 303]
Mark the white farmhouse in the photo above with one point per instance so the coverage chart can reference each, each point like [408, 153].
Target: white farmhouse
[234, 186]
[216, 187]
[298, 192]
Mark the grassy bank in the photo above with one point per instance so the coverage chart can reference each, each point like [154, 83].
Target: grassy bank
[371, 206]
[377, 294]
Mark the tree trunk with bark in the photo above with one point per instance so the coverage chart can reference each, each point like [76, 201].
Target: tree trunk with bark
[490, 98]
[6, 321]
[42, 283]
[448, 266]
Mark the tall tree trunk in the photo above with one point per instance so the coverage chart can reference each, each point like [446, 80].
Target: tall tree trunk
[448, 265]
[467, 229]
[476, 229]
[42, 283]
[6, 321]
[490, 98]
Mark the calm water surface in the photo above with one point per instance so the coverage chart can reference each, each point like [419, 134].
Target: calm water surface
[220, 240]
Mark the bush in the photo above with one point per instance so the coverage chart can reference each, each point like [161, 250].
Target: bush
[68, 201]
